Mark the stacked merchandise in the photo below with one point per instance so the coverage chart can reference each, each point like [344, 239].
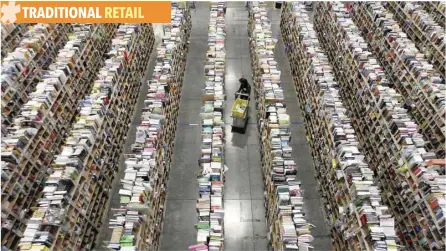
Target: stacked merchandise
[76, 193]
[422, 172]
[211, 180]
[138, 222]
[11, 35]
[268, 91]
[215, 62]
[410, 176]
[438, 11]
[420, 27]
[420, 84]
[37, 133]
[352, 200]
[288, 229]
[22, 67]
[127, 234]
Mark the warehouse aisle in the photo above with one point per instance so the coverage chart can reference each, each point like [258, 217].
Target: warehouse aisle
[243, 200]
[301, 150]
[105, 233]
[182, 189]
[245, 227]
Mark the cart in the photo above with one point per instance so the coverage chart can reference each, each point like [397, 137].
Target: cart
[240, 110]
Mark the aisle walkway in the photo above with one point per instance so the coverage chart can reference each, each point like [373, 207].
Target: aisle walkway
[182, 189]
[301, 150]
[243, 200]
[245, 227]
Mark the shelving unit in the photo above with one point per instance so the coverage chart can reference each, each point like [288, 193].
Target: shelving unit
[30, 143]
[139, 220]
[410, 176]
[370, 81]
[76, 194]
[420, 85]
[288, 229]
[11, 36]
[24, 67]
[437, 9]
[358, 218]
[427, 35]
[210, 206]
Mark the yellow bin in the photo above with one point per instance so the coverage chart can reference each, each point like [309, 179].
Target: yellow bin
[239, 102]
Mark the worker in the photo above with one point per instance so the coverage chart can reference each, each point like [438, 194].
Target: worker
[245, 88]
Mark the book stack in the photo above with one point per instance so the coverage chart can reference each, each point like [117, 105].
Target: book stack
[267, 78]
[82, 173]
[126, 230]
[11, 36]
[420, 84]
[407, 173]
[37, 133]
[147, 167]
[352, 200]
[288, 229]
[215, 57]
[211, 179]
[22, 67]
[422, 29]
[437, 10]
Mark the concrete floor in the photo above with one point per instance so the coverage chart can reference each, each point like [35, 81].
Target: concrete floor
[245, 227]
[243, 200]
[182, 190]
[245, 223]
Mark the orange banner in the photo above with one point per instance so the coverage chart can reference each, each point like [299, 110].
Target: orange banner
[85, 12]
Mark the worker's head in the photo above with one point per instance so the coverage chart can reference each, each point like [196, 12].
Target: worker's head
[243, 81]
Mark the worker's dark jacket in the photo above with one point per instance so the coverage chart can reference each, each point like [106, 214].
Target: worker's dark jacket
[245, 88]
